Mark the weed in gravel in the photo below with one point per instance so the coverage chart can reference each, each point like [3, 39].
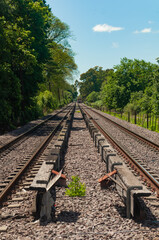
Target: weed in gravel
[76, 188]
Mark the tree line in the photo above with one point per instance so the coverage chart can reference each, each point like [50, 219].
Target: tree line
[131, 86]
[36, 62]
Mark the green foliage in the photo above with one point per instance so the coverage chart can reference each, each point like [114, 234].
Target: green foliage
[92, 80]
[130, 77]
[92, 97]
[67, 97]
[59, 32]
[98, 104]
[23, 47]
[46, 101]
[76, 188]
[73, 90]
[112, 95]
[34, 54]
[154, 94]
[59, 67]
[131, 88]
[134, 106]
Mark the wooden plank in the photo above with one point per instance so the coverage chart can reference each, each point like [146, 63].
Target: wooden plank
[53, 181]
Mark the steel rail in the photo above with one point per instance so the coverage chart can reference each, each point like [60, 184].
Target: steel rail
[21, 136]
[151, 181]
[37, 152]
[136, 135]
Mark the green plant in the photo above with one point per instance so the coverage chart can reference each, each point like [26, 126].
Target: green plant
[76, 188]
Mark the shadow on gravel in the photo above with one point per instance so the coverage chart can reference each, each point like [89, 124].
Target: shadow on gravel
[121, 210]
[75, 118]
[36, 132]
[67, 216]
[24, 127]
[78, 128]
[146, 220]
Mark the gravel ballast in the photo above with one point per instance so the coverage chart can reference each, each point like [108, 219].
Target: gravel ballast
[98, 215]
[10, 159]
[146, 133]
[148, 155]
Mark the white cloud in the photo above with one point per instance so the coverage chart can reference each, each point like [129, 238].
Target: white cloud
[150, 22]
[145, 30]
[106, 28]
[115, 45]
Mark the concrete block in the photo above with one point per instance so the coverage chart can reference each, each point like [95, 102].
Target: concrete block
[131, 187]
[99, 143]
[52, 159]
[107, 153]
[61, 138]
[58, 144]
[42, 178]
[95, 137]
[65, 132]
[93, 130]
[90, 126]
[102, 145]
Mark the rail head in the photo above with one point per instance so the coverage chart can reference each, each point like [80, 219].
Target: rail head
[143, 172]
[36, 153]
[21, 136]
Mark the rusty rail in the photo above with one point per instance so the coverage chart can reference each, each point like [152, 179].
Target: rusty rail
[36, 154]
[147, 177]
[21, 136]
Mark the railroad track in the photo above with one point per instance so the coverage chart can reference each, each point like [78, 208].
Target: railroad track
[135, 159]
[100, 214]
[16, 140]
[33, 161]
[14, 153]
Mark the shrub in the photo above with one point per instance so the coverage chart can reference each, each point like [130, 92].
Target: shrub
[92, 97]
[98, 104]
[46, 101]
[76, 188]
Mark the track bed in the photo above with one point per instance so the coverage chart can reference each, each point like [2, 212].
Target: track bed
[99, 215]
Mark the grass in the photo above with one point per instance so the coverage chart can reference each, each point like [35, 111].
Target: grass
[141, 118]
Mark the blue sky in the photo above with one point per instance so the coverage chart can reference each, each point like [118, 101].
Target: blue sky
[107, 30]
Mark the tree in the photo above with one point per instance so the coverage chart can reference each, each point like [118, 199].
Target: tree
[61, 65]
[34, 53]
[33, 18]
[113, 96]
[92, 80]
[92, 97]
[135, 75]
[130, 76]
[154, 94]
[9, 83]
[135, 104]
[59, 32]
[46, 101]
